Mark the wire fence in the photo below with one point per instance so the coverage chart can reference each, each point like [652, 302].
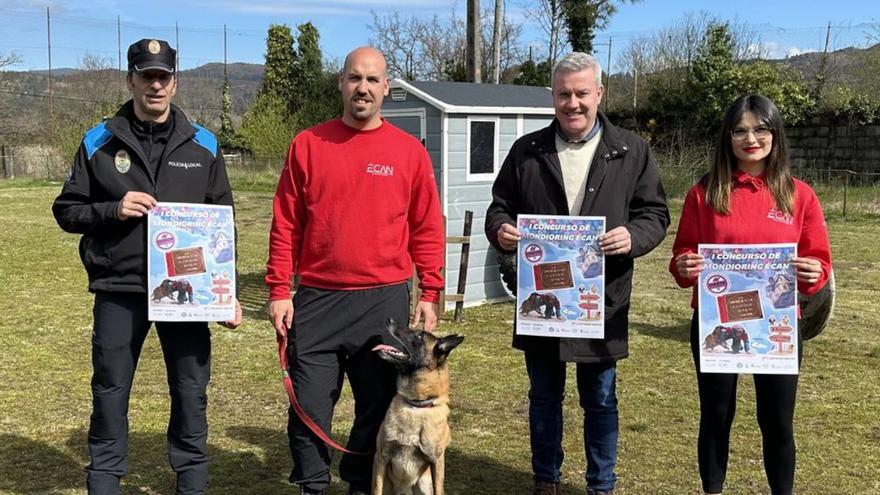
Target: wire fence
[844, 193]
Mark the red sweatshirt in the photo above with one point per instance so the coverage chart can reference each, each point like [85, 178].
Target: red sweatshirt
[753, 219]
[353, 210]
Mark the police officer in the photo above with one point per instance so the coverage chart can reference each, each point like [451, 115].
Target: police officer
[147, 152]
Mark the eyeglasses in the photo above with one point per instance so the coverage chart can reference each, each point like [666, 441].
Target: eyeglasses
[741, 133]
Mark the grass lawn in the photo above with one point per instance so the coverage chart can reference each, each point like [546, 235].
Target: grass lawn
[45, 371]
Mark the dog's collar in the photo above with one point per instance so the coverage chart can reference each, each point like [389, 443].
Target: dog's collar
[421, 403]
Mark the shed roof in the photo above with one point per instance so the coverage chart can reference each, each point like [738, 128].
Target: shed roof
[461, 97]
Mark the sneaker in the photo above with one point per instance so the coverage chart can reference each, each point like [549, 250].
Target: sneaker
[544, 488]
[593, 491]
[305, 491]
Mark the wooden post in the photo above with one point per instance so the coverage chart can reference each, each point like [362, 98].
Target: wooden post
[463, 266]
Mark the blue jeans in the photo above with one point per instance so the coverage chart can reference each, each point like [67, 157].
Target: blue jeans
[598, 399]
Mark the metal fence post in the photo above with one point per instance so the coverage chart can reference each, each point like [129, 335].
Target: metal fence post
[845, 191]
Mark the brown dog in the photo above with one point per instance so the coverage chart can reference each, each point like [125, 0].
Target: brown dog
[412, 441]
[715, 338]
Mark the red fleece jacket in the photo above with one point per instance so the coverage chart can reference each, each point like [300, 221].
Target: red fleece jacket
[753, 219]
[353, 210]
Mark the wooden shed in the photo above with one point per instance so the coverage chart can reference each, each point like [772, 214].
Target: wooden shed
[468, 129]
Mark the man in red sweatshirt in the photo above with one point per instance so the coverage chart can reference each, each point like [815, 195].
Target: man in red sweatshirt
[356, 207]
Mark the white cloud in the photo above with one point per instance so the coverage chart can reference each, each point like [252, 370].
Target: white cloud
[774, 50]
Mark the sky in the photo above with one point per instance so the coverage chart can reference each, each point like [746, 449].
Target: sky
[80, 28]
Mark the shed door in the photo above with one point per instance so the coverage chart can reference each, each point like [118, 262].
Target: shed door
[409, 123]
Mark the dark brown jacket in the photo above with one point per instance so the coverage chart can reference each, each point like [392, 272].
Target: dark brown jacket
[623, 186]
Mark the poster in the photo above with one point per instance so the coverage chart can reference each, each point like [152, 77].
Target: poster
[748, 309]
[190, 262]
[560, 277]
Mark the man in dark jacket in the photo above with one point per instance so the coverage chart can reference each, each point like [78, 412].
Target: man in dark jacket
[148, 152]
[580, 164]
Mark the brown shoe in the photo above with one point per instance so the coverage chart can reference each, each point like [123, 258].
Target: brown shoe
[543, 488]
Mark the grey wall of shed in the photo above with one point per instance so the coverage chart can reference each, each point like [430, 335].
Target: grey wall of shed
[433, 131]
[483, 281]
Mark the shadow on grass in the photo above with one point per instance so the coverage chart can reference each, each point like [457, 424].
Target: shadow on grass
[253, 295]
[260, 466]
[31, 467]
[679, 331]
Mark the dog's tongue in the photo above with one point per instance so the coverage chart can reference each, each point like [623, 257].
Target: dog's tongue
[384, 347]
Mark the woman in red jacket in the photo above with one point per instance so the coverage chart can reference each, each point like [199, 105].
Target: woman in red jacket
[750, 197]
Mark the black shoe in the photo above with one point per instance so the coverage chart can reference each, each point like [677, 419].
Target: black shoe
[593, 491]
[544, 488]
[305, 491]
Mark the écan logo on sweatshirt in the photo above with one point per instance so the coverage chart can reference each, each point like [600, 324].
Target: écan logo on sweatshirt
[380, 170]
[780, 216]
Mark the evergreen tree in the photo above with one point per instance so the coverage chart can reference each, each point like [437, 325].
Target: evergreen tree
[316, 96]
[267, 126]
[584, 17]
[531, 74]
[717, 78]
[229, 140]
[278, 79]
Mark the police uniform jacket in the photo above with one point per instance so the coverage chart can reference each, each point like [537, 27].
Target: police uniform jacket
[623, 186]
[110, 163]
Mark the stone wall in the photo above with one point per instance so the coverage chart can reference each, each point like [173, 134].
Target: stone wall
[824, 144]
[33, 161]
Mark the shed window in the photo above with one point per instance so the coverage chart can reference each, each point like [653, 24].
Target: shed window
[482, 148]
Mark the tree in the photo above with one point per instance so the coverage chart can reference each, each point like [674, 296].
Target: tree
[496, 41]
[316, 97]
[399, 40]
[89, 100]
[278, 79]
[267, 127]
[785, 87]
[5, 61]
[547, 14]
[717, 79]
[584, 17]
[474, 41]
[531, 74]
[229, 139]
[435, 48]
[308, 69]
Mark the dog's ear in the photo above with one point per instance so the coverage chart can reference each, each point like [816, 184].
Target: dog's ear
[446, 344]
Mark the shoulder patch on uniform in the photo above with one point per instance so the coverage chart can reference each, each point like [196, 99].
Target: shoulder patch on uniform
[95, 138]
[205, 139]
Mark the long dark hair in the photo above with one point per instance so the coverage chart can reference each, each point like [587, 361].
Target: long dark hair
[719, 182]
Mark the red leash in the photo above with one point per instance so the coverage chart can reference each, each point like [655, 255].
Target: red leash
[288, 386]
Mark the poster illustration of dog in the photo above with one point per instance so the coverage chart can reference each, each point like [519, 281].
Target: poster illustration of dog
[747, 310]
[558, 260]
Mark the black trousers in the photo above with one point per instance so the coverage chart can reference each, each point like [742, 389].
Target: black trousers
[120, 328]
[333, 335]
[775, 399]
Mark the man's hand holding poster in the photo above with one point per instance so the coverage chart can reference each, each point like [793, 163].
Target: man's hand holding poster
[191, 262]
[560, 277]
[748, 309]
